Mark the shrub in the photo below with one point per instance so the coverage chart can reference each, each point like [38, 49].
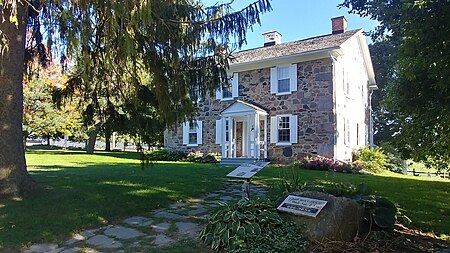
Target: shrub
[251, 226]
[374, 160]
[326, 164]
[211, 158]
[165, 155]
[194, 157]
[200, 157]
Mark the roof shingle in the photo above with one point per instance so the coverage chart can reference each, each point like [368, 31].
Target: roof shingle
[292, 48]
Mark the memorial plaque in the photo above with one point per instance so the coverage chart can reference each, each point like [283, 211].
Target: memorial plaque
[245, 171]
[302, 206]
[261, 163]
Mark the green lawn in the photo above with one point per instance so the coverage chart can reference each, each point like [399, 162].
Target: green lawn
[85, 191]
[426, 200]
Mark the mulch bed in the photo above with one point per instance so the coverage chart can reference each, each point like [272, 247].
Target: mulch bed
[403, 239]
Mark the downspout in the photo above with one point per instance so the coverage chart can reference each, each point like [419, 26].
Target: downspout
[370, 121]
[333, 66]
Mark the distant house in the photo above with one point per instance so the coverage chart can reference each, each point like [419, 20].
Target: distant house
[288, 100]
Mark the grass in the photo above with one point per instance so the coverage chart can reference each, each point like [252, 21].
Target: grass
[86, 191]
[424, 199]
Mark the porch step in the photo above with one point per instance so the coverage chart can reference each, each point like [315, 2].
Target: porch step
[236, 161]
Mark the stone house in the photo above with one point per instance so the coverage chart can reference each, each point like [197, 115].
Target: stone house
[287, 100]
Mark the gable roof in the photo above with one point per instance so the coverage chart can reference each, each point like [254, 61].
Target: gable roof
[242, 106]
[291, 48]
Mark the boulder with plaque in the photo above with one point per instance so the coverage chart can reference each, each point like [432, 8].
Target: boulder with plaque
[323, 215]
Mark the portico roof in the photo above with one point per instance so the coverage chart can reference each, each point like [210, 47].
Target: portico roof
[240, 107]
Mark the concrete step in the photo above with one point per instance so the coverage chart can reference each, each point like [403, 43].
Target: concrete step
[236, 161]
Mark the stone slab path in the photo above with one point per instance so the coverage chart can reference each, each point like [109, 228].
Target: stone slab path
[159, 228]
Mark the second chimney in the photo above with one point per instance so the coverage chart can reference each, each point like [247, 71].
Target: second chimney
[271, 38]
[339, 25]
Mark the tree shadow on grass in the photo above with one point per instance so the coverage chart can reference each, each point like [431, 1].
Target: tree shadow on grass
[78, 198]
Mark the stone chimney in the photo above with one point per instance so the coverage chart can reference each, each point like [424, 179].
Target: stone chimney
[271, 38]
[339, 25]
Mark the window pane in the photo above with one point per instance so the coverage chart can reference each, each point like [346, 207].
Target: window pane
[226, 91]
[192, 127]
[284, 85]
[192, 138]
[283, 73]
[284, 135]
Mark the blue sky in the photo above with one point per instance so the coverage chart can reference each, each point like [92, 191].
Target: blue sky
[299, 19]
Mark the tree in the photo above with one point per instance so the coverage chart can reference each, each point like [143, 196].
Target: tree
[419, 95]
[181, 43]
[41, 117]
[13, 174]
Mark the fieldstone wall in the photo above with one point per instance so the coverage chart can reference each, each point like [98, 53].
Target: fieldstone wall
[312, 102]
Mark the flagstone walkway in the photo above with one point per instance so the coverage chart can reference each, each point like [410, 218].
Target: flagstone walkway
[159, 228]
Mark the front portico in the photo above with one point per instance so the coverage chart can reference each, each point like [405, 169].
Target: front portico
[242, 131]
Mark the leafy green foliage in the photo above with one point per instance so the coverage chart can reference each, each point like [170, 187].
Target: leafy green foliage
[374, 160]
[41, 117]
[165, 155]
[418, 91]
[251, 226]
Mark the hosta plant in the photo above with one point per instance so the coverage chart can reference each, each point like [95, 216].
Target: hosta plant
[251, 226]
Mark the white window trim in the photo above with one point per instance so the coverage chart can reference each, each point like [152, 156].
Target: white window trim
[186, 132]
[234, 89]
[293, 82]
[293, 128]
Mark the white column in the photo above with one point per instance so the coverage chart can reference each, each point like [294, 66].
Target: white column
[231, 146]
[224, 140]
[265, 137]
[256, 139]
[249, 135]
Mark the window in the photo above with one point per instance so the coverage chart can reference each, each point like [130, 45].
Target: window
[192, 133]
[283, 79]
[195, 95]
[283, 129]
[346, 131]
[229, 88]
[227, 91]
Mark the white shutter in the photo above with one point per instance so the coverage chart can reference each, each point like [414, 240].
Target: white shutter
[293, 122]
[273, 80]
[293, 77]
[219, 131]
[219, 93]
[186, 133]
[199, 133]
[273, 130]
[235, 85]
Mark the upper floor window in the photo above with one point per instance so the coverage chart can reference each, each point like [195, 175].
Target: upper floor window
[283, 129]
[229, 88]
[283, 79]
[192, 133]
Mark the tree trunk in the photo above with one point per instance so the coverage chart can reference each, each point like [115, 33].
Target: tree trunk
[92, 137]
[48, 140]
[107, 139]
[14, 178]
